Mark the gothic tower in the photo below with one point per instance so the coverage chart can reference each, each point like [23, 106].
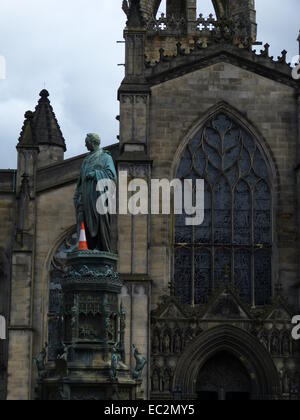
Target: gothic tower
[190, 83]
[48, 133]
[40, 144]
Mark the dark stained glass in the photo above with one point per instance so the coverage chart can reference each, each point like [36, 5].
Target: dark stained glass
[202, 275]
[183, 233]
[262, 214]
[222, 266]
[222, 212]
[263, 276]
[242, 273]
[203, 233]
[242, 214]
[234, 244]
[183, 274]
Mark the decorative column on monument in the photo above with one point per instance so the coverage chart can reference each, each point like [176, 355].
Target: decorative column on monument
[91, 362]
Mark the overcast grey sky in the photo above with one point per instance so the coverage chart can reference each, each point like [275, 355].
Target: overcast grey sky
[69, 46]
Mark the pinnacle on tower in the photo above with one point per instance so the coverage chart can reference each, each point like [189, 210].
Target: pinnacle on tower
[47, 129]
[27, 137]
[41, 130]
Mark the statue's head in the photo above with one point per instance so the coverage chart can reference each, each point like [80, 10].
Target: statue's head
[92, 142]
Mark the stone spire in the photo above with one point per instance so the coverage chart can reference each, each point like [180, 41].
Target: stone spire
[46, 126]
[27, 136]
[41, 130]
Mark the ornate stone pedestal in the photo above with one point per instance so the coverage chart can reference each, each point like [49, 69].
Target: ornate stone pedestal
[89, 365]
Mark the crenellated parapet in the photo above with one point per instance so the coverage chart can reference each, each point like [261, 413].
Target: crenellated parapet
[165, 32]
[182, 59]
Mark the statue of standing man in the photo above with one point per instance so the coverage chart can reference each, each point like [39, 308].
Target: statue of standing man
[97, 166]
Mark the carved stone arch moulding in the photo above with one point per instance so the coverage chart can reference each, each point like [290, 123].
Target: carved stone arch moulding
[257, 361]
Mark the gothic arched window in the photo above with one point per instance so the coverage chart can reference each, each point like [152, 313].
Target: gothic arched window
[234, 244]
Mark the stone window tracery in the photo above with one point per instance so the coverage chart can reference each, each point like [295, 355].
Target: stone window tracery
[234, 244]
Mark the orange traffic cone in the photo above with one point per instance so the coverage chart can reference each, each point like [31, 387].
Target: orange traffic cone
[82, 245]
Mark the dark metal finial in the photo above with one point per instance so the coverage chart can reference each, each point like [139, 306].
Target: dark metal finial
[44, 94]
[29, 115]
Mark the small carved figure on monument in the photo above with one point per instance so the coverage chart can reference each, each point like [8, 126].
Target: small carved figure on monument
[108, 328]
[140, 364]
[115, 360]
[74, 320]
[97, 166]
[62, 360]
[40, 362]
[64, 354]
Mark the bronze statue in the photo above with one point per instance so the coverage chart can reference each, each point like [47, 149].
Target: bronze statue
[63, 355]
[61, 363]
[97, 166]
[40, 362]
[115, 361]
[140, 364]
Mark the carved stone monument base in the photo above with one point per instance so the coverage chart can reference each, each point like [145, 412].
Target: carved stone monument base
[89, 366]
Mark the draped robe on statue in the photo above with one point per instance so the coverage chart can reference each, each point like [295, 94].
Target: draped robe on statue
[98, 227]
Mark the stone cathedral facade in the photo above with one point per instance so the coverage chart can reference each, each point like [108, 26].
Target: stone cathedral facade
[209, 306]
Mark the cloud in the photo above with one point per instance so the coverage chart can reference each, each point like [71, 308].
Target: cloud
[70, 48]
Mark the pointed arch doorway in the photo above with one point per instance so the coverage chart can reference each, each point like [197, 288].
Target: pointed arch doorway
[226, 363]
[224, 378]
